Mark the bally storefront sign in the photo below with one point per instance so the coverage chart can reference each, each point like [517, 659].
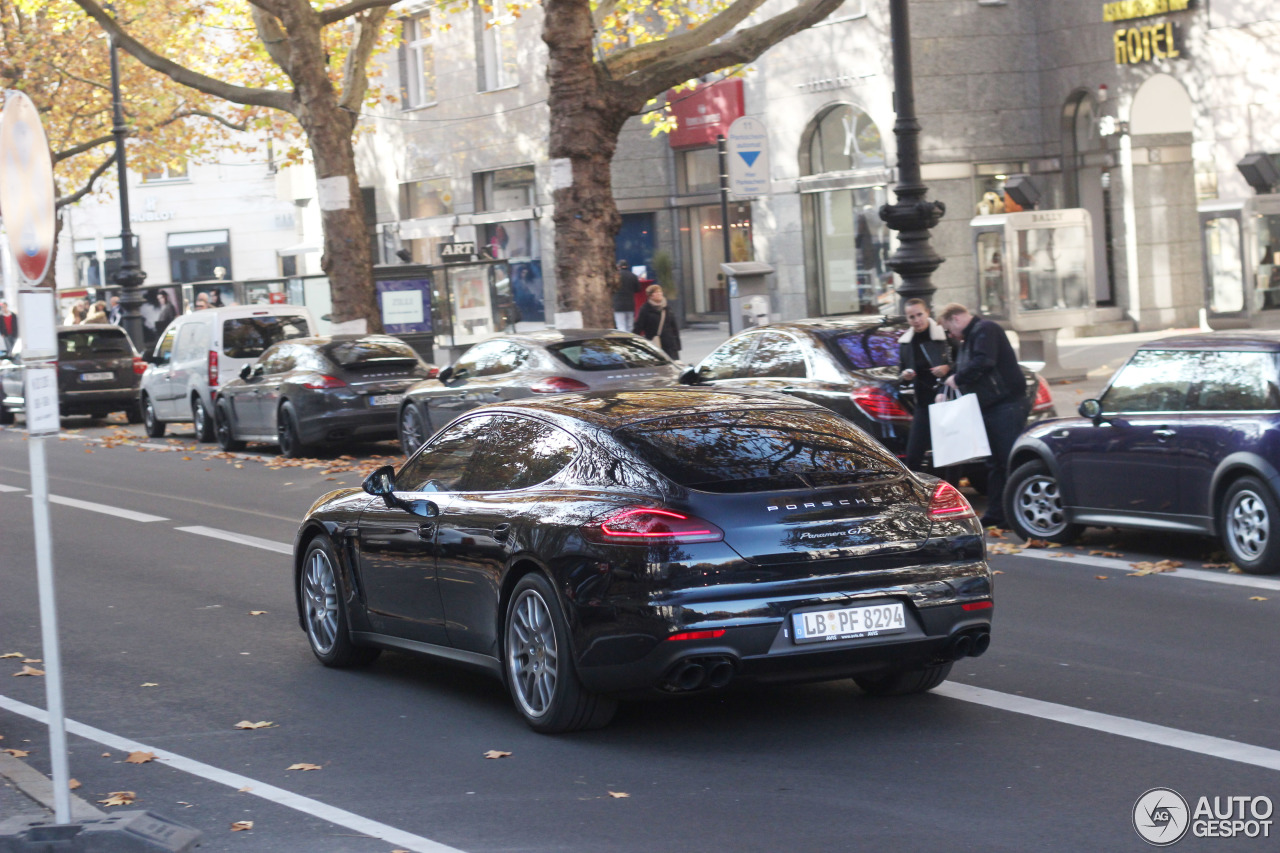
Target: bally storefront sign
[704, 113]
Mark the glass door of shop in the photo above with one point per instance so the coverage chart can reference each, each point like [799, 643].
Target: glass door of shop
[707, 294]
[852, 247]
[1220, 236]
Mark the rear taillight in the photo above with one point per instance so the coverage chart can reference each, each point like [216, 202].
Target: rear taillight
[433, 372]
[320, 381]
[713, 634]
[948, 503]
[213, 368]
[1044, 400]
[977, 605]
[558, 385]
[879, 405]
[139, 365]
[649, 524]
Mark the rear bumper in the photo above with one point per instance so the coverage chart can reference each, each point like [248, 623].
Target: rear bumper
[365, 423]
[105, 400]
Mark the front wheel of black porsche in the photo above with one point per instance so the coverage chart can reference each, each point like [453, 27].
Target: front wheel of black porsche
[323, 612]
[539, 664]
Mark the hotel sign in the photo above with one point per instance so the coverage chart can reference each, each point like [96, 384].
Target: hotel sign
[1128, 10]
[1143, 44]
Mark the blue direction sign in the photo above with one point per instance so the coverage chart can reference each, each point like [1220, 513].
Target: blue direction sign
[748, 144]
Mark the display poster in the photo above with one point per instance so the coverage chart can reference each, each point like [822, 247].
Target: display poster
[406, 306]
[472, 307]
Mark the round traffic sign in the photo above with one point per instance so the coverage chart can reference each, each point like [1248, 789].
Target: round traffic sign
[26, 187]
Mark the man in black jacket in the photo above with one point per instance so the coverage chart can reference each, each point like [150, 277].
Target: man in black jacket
[987, 366]
[925, 356]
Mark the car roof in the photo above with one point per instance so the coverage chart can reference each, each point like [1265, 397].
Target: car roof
[544, 337]
[613, 409]
[1250, 340]
[90, 327]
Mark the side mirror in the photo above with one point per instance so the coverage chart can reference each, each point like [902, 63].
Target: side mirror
[458, 374]
[445, 373]
[246, 371]
[380, 483]
[1091, 409]
[689, 376]
[421, 508]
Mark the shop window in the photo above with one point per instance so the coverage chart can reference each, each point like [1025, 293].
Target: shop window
[703, 234]
[199, 256]
[698, 171]
[168, 172]
[843, 139]
[1051, 268]
[495, 27]
[507, 189]
[424, 199]
[417, 62]
[1267, 278]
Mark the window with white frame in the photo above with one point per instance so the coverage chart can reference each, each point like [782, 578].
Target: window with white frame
[495, 45]
[417, 66]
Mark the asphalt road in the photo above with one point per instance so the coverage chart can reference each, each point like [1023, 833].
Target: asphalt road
[1094, 691]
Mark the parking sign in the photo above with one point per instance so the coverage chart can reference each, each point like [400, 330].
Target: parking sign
[748, 144]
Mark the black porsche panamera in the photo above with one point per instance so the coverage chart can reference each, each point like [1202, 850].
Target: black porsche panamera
[593, 546]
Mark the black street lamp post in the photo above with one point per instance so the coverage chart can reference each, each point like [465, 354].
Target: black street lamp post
[130, 275]
[912, 216]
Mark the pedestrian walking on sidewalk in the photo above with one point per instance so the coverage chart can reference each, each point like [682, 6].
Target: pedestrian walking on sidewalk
[624, 296]
[926, 358]
[655, 323]
[987, 366]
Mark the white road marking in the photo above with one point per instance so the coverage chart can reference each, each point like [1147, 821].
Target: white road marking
[127, 514]
[1216, 747]
[239, 538]
[4, 488]
[1251, 581]
[306, 805]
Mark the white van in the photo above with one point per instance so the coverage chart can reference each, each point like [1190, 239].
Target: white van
[199, 352]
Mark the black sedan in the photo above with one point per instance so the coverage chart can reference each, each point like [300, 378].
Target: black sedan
[98, 373]
[848, 365]
[594, 546]
[311, 391]
[552, 361]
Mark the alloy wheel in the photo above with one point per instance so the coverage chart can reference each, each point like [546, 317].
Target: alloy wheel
[1039, 506]
[411, 430]
[533, 658]
[1248, 525]
[149, 414]
[320, 601]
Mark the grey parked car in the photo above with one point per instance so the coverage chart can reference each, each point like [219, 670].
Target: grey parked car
[98, 373]
[553, 361]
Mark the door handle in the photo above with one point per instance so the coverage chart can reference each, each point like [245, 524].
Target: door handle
[501, 531]
[427, 531]
[1164, 432]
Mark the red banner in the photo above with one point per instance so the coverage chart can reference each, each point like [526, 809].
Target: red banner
[704, 113]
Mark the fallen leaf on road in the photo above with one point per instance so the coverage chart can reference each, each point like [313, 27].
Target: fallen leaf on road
[87, 450]
[495, 753]
[1112, 554]
[997, 572]
[1002, 548]
[241, 825]
[32, 660]
[1216, 565]
[245, 724]
[1257, 598]
[994, 533]
[119, 798]
[73, 784]
[1099, 577]
[618, 795]
[304, 767]
[1036, 543]
[246, 789]
[257, 612]
[184, 804]
[1146, 567]
[148, 684]
[140, 757]
[29, 670]
[12, 655]
[1235, 570]
[1062, 554]
[16, 753]
[106, 755]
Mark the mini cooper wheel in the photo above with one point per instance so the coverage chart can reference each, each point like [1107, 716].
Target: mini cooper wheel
[201, 420]
[1033, 505]
[1250, 526]
[904, 682]
[539, 665]
[323, 613]
[222, 428]
[153, 425]
[413, 428]
[287, 433]
[6, 416]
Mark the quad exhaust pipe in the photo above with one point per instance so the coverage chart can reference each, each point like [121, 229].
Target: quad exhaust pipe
[691, 674]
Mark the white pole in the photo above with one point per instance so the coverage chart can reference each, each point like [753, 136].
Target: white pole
[49, 632]
[1130, 228]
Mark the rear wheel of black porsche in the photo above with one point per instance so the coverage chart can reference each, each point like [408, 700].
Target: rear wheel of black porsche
[905, 682]
[539, 664]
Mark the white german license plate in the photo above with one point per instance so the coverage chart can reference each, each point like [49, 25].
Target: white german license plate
[97, 377]
[848, 623]
[385, 399]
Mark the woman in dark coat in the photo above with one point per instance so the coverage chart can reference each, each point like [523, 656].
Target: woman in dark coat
[655, 323]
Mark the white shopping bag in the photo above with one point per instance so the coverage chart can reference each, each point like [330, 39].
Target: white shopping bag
[957, 431]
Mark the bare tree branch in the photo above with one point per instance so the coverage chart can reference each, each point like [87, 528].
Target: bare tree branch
[97, 84]
[68, 153]
[330, 16]
[629, 59]
[274, 99]
[355, 76]
[184, 114]
[63, 201]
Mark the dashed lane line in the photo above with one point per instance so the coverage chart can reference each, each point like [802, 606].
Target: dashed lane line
[1215, 747]
[1250, 581]
[253, 787]
[4, 488]
[240, 538]
[105, 509]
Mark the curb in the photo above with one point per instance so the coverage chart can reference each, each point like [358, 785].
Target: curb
[35, 785]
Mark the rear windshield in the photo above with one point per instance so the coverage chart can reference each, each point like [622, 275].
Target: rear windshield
[355, 353]
[874, 346]
[249, 337]
[759, 451]
[607, 354]
[91, 343]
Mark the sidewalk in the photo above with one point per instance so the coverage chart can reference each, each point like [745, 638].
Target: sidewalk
[26, 792]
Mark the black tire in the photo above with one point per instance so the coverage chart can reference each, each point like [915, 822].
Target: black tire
[133, 414]
[1249, 524]
[222, 428]
[1033, 505]
[6, 416]
[153, 425]
[904, 682]
[413, 428]
[324, 614]
[287, 432]
[538, 664]
[202, 420]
